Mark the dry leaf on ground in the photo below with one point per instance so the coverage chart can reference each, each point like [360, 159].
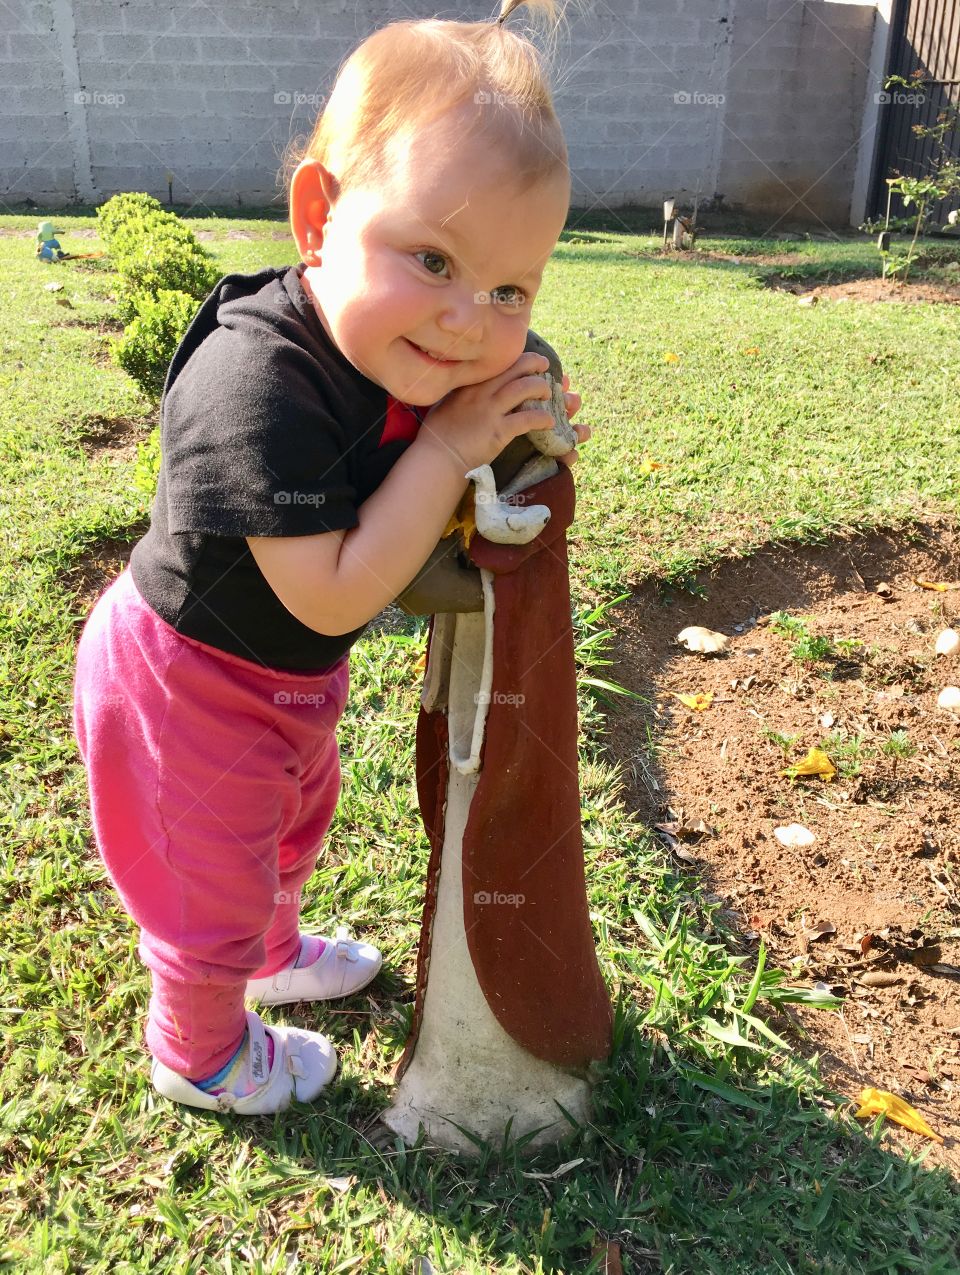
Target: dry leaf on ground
[819, 930]
[685, 829]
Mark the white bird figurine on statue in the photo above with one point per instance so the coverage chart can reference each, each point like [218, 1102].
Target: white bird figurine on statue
[499, 521]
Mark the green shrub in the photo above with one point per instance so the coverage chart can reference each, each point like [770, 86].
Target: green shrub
[112, 215]
[150, 341]
[165, 267]
[153, 251]
[164, 274]
[146, 472]
[153, 257]
[147, 224]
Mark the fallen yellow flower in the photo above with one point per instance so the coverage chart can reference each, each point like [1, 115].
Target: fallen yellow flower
[878, 1102]
[464, 518]
[816, 762]
[421, 663]
[648, 464]
[700, 701]
[752, 349]
[670, 357]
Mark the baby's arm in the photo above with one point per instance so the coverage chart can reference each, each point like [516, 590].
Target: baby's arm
[336, 581]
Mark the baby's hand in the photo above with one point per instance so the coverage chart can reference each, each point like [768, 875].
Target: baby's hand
[476, 422]
[583, 432]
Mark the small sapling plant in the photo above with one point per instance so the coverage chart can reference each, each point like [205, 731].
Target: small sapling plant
[898, 748]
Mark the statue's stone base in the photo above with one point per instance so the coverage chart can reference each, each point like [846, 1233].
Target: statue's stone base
[466, 1070]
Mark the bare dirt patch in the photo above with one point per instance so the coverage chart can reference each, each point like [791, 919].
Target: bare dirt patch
[871, 908]
[95, 569]
[872, 289]
[104, 327]
[854, 287]
[113, 433]
[750, 258]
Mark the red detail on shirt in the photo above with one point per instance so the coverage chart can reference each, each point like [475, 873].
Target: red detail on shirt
[402, 422]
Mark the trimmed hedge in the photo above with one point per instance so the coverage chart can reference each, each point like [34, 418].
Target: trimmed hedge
[153, 252]
[150, 340]
[160, 265]
[165, 274]
[112, 215]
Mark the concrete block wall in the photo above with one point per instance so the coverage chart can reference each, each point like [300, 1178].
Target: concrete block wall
[755, 103]
[793, 117]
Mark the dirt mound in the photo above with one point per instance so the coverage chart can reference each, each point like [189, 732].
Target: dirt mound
[871, 907]
[870, 289]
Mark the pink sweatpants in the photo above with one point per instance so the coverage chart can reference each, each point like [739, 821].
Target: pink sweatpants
[212, 783]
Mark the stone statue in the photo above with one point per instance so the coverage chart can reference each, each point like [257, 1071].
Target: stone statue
[511, 1010]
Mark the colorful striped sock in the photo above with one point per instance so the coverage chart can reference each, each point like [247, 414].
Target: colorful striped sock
[235, 1074]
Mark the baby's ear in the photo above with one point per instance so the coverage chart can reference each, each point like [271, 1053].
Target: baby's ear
[312, 193]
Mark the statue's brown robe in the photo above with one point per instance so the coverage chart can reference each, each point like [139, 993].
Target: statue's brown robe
[535, 961]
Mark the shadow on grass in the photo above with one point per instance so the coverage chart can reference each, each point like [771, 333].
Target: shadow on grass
[678, 1171]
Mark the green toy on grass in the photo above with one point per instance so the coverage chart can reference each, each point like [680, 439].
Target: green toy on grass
[48, 246]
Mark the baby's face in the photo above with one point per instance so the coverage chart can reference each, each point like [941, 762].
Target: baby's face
[445, 257]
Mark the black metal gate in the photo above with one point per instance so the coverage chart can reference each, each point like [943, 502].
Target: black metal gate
[925, 42]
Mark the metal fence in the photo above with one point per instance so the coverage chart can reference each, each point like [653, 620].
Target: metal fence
[924, 45]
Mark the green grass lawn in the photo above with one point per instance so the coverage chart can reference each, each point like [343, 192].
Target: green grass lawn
[712, 1147]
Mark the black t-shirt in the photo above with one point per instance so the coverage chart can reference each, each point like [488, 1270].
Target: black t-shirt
[266, 430]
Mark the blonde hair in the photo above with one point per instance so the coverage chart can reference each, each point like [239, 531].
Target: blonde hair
[409, 73]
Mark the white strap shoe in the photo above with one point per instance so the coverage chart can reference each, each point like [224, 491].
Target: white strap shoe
[304, 1062]
[342, 968]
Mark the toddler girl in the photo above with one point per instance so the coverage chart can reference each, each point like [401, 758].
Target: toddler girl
[318, 422]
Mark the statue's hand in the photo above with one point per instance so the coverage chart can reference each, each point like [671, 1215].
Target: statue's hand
[583, 432]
